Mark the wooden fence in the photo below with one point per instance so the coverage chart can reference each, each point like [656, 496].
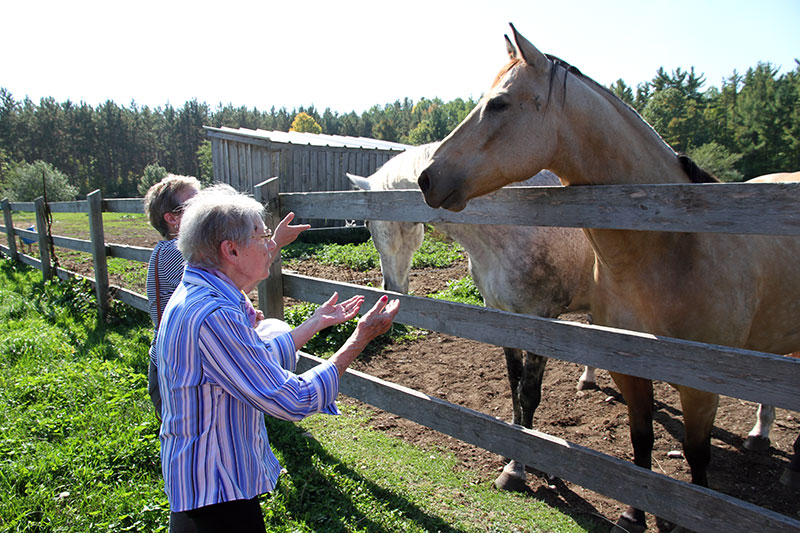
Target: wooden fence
[749, 375]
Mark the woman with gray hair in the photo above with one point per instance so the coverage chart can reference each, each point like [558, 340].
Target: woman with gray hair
[218, 377]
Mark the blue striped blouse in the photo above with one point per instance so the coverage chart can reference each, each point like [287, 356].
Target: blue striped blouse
[217, 378]
[170, 272]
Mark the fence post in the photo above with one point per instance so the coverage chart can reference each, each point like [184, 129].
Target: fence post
[44, 245]
[94, 202]
[270, 291]
[12, 237]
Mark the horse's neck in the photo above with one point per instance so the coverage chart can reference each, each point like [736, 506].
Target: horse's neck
[602, 141]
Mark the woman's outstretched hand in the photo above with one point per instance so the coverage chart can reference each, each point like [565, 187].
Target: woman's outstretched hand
[331, 313]
[375, 322]
[378, 320]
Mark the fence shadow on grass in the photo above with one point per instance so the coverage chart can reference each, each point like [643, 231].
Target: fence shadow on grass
[320, 501]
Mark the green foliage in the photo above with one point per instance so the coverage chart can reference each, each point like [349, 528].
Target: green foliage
[152, 175]
[462, 291]
[27, 181]
[357, 256]
[205, 164]
[436, 253]
[716, 159]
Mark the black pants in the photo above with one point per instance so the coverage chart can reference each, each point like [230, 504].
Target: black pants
[239, 515]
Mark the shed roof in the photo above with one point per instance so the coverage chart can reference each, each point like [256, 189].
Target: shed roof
[312, 139]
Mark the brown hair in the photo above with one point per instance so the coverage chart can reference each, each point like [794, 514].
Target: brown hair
[161, 199]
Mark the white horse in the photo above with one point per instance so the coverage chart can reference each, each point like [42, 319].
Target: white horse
[543, 271]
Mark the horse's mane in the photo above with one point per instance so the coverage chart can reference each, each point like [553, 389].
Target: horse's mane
[694, 172]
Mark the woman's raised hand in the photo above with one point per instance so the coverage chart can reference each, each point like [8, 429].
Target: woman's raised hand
[285, 233]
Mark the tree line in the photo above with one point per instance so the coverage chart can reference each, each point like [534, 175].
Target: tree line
[747, 127]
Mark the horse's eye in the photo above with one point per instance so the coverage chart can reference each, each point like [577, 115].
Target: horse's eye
[496, 105]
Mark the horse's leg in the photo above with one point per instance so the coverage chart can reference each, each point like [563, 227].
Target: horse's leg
[699, 409]
[758, 438]
[638, 394]
[791, 475]
[588, 380]
[525, 375]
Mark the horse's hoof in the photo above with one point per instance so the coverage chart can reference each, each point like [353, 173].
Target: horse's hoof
[587, 385]
[511, 483]
[756, 443]
[791, 479]
[626, 525]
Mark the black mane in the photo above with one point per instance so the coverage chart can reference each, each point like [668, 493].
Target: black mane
[695, 173]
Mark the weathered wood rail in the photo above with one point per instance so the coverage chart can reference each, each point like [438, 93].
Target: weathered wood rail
[722, 208]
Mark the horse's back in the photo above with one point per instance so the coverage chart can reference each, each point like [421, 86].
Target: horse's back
[778, 177]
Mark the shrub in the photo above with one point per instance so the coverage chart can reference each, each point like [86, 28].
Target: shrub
[152, 175]
[25, 183]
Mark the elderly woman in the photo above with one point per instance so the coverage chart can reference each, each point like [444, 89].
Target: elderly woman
[163, 205]
[218, 377]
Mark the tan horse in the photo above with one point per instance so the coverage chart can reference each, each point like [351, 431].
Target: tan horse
[733, 290]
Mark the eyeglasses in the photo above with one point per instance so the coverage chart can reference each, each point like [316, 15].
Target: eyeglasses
[267, 235]
[178, 210]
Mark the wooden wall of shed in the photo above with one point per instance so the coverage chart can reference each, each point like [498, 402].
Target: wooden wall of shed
[300, 168]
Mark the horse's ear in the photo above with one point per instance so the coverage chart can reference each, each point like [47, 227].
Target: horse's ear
[512, 52]
[527, 52]
[359, 182]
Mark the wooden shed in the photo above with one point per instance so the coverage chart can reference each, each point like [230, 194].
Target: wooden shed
[304, 162]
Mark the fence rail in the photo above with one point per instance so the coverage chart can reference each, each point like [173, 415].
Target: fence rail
[755, 376]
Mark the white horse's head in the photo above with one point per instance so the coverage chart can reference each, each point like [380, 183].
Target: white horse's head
[396, 242]
[508, 137]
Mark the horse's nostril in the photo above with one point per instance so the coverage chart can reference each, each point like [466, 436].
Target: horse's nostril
[424, 181]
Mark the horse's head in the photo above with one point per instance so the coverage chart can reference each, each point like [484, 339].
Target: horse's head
[508, 137]
[396, 242]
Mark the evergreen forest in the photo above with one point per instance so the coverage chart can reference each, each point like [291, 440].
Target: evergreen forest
[747, 127]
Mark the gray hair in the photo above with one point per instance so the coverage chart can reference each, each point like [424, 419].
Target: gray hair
[216, 214]
[161, 198]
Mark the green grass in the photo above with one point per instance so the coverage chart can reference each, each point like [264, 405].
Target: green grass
[460, 290]
[76, 225]
[79, 448]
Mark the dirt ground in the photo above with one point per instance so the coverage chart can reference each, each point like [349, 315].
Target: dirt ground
[473, 374]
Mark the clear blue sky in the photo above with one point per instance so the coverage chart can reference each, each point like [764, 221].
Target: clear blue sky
[350, 55]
